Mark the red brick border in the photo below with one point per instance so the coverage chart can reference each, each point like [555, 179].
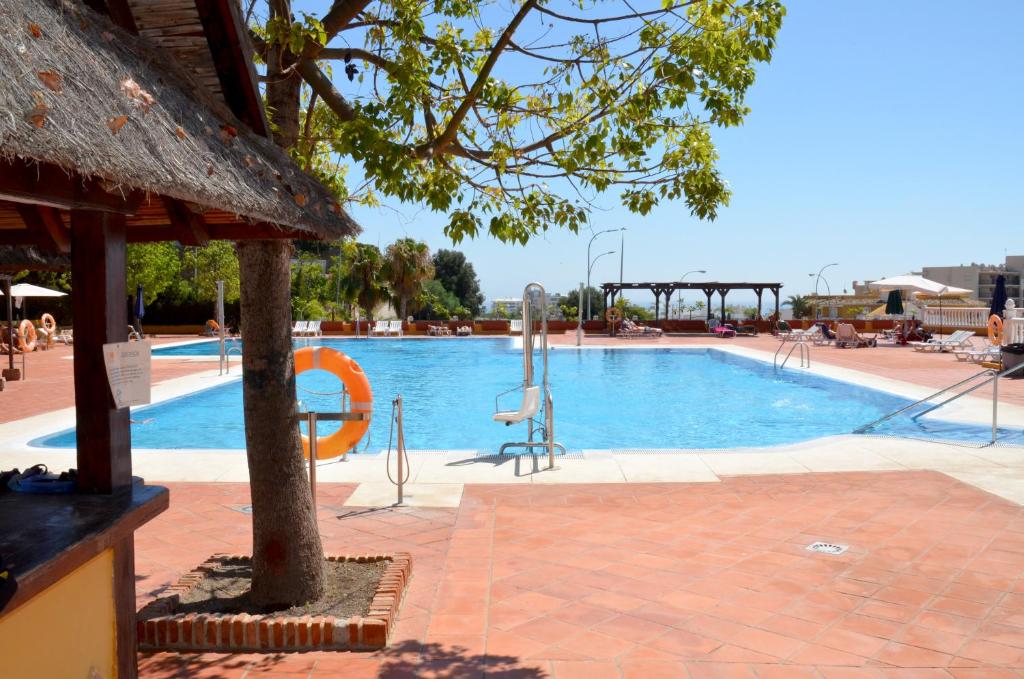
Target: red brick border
[160, 628]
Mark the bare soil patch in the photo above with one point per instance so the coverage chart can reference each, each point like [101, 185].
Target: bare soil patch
[350, 587]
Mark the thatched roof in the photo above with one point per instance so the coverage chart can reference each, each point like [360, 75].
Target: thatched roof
[29, 257]
[82, 94]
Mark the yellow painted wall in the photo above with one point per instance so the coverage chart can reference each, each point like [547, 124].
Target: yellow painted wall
[67, 631]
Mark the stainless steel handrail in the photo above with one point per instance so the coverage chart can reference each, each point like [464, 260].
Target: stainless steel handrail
[885, 418]
[805, 355]
[991, 375]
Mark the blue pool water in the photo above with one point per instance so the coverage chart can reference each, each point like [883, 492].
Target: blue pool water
[621, 398]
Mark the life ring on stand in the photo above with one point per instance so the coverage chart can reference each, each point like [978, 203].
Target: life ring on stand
[352, 376]
[995, 329]
[613, 314]
[49, 323]
[27, 336]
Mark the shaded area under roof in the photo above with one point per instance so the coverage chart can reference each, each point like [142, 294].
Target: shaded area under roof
[29, 257]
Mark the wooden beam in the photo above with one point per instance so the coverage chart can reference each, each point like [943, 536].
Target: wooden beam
[189, 227]
[121, 14]
[50, 186]
[100, 312]
[226, 36]
[44, 228]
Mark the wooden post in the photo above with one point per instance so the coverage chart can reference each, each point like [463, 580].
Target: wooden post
[722, 292]
[657, 302]
[709, 292]
[775, 291]
[758, 292]
[11, 373]
[98, 304]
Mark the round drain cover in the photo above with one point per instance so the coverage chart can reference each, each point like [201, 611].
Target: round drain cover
[827, 548]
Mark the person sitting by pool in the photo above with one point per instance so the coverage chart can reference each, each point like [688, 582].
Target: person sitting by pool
[915, 332]
[826, 331]
[634, 328]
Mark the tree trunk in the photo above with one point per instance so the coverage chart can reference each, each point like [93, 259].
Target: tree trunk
[287, 567]
[403, 305]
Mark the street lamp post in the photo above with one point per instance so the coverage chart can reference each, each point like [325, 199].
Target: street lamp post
[681, 279]
[589, 264]
[817, 279]
[590, 267]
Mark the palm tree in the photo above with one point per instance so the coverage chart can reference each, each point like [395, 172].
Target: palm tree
[407, 265]
[362, 276]
[800, 305]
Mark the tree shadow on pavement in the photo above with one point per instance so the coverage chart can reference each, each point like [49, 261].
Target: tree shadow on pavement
[438, 661]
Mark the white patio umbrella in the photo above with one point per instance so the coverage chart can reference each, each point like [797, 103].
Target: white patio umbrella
[29, 290]
[919, 285]
[22, 290]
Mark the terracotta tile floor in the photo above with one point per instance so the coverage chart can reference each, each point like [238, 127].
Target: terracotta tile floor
[656, 580]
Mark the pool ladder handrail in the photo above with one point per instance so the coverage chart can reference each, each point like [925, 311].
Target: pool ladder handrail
[992, 375]
[227, 358]
[805, 354]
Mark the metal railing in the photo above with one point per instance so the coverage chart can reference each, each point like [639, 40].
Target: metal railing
[991, 376]
[805, 354]
[312, 418]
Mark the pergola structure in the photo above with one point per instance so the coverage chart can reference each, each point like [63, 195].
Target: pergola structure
[123, 121]
[611, 290]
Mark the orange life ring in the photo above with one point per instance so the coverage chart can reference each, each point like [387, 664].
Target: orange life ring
[995, 329]
[360, 398]
[613, 314]
[27, 329]
[213, 325]
[49, 323]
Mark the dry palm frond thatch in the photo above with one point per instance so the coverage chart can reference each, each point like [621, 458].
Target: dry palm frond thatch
[82, 94]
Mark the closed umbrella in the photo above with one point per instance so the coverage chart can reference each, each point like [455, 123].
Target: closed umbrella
[894, 304]
[998, 297]
[140, 309]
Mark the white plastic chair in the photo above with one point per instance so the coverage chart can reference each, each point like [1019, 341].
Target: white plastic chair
[395, 327]
[379, 328]
[527, 409]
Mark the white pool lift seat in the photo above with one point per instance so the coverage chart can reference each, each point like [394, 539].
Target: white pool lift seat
[527, 409]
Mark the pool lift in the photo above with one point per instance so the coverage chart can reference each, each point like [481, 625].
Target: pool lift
[536, 398]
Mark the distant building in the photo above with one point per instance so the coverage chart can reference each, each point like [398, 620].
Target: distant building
[513, 306]
[981, 278]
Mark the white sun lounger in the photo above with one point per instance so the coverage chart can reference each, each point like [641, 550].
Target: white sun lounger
[313, 329]
[380, 328]
[395, 327]
[515, 326]
[958, 340]
[991, 353]
[299, 328]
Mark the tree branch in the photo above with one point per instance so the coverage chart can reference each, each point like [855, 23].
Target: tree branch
[448, 135]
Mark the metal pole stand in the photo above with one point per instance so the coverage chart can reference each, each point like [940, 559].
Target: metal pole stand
[401, 453]
[311, 420]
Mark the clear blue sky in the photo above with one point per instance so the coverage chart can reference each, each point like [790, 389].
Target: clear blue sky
[884, 136]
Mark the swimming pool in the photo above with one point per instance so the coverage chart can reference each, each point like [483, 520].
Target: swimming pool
[604, 399]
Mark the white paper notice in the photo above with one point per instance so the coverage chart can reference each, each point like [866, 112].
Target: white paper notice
[128, 371]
